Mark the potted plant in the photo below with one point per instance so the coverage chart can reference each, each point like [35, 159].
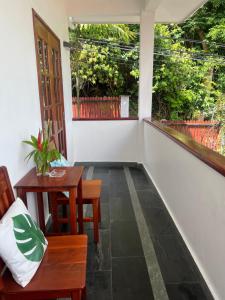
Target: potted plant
[43, 152]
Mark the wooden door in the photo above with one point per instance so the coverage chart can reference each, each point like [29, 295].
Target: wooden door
[49, 69]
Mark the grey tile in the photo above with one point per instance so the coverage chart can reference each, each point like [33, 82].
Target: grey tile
[118, 184]
[130, 279]
[103, 174]
[125, 239]
[104, 194]
[149, 199]
[105, 216]
[99, 285]
[101, 170]
[99, 256]
[159, 221]
[116, 189]
[117, 175]
[140, 180]
[192, 263]
[121, 209]
[173, 263]
[123, 195]
[185, 291]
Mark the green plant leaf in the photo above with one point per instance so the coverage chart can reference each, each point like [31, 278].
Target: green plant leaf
[28, 157]
[29, 143]
[34, 140]
[29, 238]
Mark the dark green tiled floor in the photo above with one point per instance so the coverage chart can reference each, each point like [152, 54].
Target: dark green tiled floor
[181, 276]
[116, 267]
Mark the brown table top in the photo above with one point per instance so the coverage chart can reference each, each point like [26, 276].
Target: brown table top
[69, 180]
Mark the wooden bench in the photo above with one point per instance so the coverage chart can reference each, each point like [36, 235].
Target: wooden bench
[62, 272]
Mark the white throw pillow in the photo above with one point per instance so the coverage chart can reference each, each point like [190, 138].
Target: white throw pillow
[22, 243]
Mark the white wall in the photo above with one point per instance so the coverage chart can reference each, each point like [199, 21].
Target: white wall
[19, 97]
[195, 196]
[106, 141]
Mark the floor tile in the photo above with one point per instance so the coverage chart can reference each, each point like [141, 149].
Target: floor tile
[99, 285]
[117, 176]
[185, 291]
[101, 170]
[103, 174]
[130, 279]
[104, 197]
[140, 180]
[105, 216]
[159, 221]
[173, 263]
[115, 190]
[125, 239]
[99, 256]
[121, 210]
[149, 199]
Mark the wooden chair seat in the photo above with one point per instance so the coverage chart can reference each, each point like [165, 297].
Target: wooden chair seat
[91, 189]
[62, 272]
[63, 269]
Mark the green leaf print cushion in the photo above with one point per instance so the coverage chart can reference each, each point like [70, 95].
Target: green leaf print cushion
[29, 238]
[22, 243]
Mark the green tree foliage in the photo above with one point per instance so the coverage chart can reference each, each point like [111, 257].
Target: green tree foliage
[189, 68]
[182, 88]
[104, 61]
[189, 65]
[201, 24]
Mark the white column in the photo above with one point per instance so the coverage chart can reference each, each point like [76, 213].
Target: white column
[146, 64]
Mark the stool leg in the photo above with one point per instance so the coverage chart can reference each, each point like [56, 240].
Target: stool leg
[99, 212]
[80, 218]
[80, 207]
[95, 220]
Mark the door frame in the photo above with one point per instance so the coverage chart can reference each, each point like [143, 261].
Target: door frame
[36, 16]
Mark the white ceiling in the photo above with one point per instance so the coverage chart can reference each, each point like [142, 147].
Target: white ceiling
[177, 11]
[129, 11]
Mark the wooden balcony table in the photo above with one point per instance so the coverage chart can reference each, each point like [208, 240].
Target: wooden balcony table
[70, 182]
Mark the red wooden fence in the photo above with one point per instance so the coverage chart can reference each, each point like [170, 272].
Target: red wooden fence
[203, 132]
[96, 108]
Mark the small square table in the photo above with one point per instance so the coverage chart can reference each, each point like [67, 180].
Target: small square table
[71, 182]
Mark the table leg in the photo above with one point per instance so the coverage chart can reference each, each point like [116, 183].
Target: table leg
[54, 211]
[73, 211]
[76, 295]
[41, 214]
[22, 195]
[80, 207]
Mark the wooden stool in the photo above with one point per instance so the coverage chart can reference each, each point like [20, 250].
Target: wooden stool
[91, 190]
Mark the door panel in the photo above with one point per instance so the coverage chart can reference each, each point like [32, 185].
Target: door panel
[50, 81]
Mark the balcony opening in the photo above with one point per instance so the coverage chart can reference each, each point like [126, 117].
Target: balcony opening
[189, 82]
[104, 71]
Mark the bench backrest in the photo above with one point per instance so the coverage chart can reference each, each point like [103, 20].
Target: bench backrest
[6, 197]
